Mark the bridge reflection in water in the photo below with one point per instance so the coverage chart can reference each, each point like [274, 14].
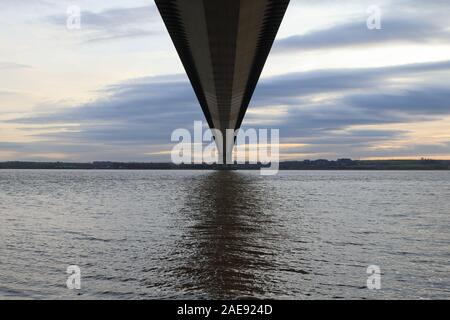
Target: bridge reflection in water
[229, 255]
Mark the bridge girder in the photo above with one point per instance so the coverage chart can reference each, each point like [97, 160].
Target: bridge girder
[223, 45]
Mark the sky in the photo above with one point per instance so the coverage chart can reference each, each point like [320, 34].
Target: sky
[115, 89]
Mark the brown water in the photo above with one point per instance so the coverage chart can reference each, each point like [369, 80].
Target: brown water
[189, 234]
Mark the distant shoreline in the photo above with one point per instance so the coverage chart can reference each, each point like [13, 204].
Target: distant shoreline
[341, 164]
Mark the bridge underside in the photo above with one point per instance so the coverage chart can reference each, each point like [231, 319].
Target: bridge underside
[223, 45]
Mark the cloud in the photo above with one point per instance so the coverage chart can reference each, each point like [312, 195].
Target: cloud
[399, 30]
[143, 112]
[290, 89]
[119, 34]
[427, 101]
[13, 66]
[13, 4]
[110, 17]
[113, 24]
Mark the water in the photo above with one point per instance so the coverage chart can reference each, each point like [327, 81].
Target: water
[199, 235]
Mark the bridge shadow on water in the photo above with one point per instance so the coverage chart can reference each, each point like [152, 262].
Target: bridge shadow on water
[231, 243]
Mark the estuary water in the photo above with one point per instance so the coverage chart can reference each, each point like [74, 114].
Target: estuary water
[215, 235]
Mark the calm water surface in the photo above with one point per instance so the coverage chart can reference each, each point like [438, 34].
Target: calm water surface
[188, 234]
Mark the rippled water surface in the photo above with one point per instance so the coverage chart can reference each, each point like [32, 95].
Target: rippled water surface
[189, 234]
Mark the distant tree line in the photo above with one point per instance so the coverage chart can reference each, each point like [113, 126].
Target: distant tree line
[321, 164]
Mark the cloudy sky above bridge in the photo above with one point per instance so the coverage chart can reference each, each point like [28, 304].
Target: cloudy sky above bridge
[115, 89]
